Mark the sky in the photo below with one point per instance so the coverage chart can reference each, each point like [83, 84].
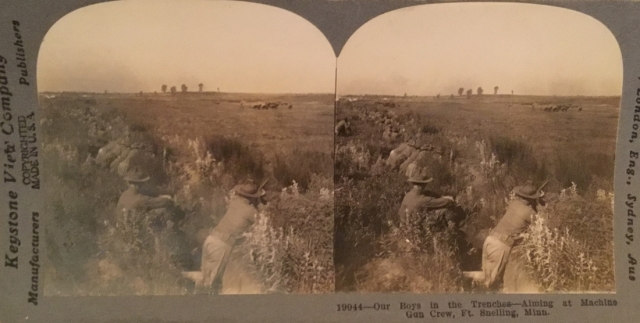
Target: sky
[138, 45]
[530, 49]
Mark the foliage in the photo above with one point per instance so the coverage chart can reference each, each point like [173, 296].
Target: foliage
[238, 159]
[93, 251]
[300, 165]
[373, 254]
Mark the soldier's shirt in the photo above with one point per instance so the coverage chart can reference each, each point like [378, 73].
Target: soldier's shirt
[414, 200]
[516, 219]
[133, 200]
[239, 217]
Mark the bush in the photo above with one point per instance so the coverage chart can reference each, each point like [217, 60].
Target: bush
[142, 261]
[291, 244]
[300, 166]
[421, 255]
[520, 159]
[429, 129]
[560, 262]
[583, 168]
[239, 160]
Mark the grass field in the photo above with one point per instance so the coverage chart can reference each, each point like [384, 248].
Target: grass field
[196, 147]
[308, 124]
[488, 145]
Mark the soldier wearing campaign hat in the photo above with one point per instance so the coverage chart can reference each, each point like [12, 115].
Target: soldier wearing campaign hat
[217, 247]
[501, 239]
[418, 198]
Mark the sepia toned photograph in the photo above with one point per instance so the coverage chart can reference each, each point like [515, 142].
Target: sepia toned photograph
[475, 150]
[190, 147]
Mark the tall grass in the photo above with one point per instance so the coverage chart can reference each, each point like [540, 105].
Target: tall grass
[94, 252]
[239, 160]
[375, 254]
[300, 165]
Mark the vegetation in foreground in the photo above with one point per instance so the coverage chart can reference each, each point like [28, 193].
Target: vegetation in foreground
[559, 250]
[92, 252]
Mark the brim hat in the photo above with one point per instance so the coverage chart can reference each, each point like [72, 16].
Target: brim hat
[420, 178]
[136, 175]
[527, 191]
[250, 189]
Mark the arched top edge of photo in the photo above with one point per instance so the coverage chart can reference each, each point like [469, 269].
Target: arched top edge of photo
[497, 42]
[183, 40]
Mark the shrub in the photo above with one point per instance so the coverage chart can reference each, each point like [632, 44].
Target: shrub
[419, 256]
[239, 160]
[429, 129]
[583, 168]
[300, 166]
[291, 244]
[520, 159]
[145, 262]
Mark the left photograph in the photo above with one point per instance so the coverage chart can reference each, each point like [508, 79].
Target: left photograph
[187, 149]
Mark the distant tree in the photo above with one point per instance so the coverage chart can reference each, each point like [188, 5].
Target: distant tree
[495, 90]
[460, 91]
[200, 86]
[164, 88]
[451, 97]
[173, 90]
[405, 95]
[479, 91]
[438, 96]
[469, 93]
[184, 88]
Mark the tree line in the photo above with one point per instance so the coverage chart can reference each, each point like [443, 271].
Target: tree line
[183, 88]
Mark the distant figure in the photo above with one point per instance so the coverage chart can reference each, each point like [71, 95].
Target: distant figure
[200, 86]
[343, 128]
[240, 216]
[495, 90]
[511, 92]
[438, 96]
[451, 97]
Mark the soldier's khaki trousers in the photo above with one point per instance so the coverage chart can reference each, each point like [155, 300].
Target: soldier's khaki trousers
[215, 255]
[495, 254]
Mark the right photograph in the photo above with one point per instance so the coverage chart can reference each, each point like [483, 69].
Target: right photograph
[474, 151]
